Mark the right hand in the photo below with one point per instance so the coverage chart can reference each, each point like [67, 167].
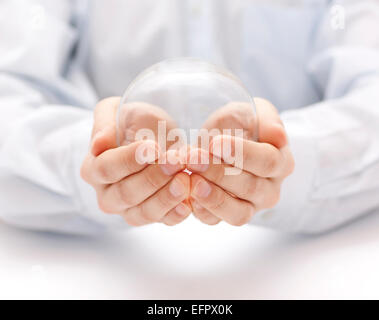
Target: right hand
[141, 193]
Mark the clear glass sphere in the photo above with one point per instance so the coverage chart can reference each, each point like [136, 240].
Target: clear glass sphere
[185, 94]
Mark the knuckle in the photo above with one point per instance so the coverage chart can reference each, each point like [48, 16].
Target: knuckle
[102, 171]
[217, 200]
[166, 200]
[269, 165]
[103, 204]
[132, 222]
[127, 160]
[218, 174]
[152, 179]
[125, 194]
[250, 188]
[241, 219]
[246, 156]
[146, 214]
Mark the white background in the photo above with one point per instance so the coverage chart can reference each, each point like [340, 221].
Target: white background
[192, 261]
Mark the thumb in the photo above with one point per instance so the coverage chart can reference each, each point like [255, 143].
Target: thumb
[104, 126]
[271, 129]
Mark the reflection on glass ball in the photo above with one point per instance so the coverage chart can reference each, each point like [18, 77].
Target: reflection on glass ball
[180, 97]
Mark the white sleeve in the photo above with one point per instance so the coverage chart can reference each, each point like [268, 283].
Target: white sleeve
[335, 142]
[44, 124]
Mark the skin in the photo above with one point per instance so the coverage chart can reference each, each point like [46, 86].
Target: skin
[151, 192]
[235, 198]
[140, 193]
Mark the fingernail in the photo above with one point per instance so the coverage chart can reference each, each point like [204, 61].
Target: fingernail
[202, 189]
[198, 161]
[176, 188]
[146, 152]
[181, 209]
[170, 169]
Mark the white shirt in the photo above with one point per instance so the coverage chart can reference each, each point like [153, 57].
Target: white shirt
[316, 60]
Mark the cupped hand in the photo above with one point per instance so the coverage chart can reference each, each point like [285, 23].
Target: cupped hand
[131, 183]
[217, 196]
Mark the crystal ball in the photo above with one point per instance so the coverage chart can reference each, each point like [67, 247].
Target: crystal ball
[182, 99]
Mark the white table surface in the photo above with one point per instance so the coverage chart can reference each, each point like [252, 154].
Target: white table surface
[192, 261]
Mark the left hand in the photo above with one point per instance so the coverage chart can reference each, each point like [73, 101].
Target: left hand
[215, 196]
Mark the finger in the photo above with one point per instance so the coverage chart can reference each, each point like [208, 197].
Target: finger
[203, 214]
[261, 159]
[177, 214]
[115, 164]
[271, 129]
[135, 116]
[232, 116]
[104, 127]
[158, 205]
[137, 187]
[249, 187]
[232, 210]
